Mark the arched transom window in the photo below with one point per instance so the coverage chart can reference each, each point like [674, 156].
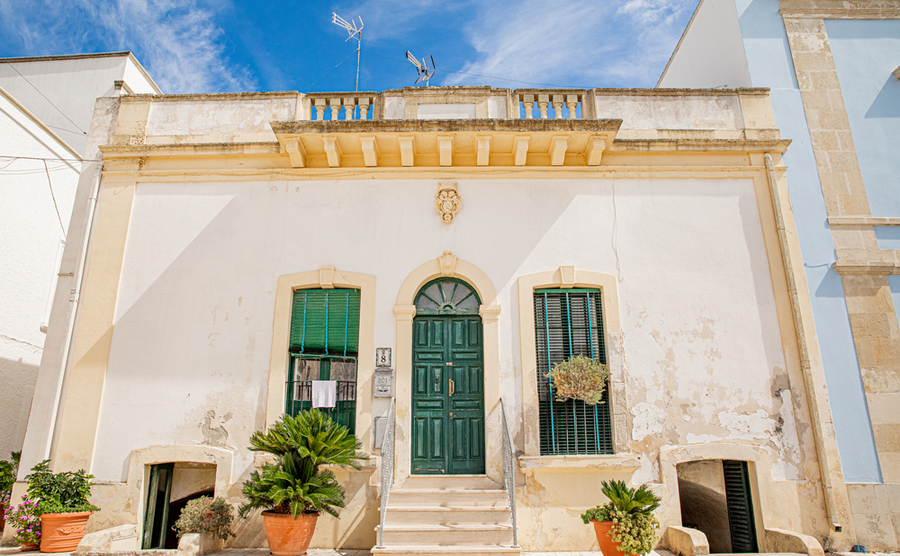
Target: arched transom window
[447, 296]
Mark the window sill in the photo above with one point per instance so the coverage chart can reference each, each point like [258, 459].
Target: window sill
[568, 464]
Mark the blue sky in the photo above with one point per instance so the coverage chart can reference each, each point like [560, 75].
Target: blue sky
[192, 46]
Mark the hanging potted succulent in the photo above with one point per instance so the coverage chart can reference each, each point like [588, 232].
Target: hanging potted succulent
[63, 504]
[297, 488]
[625, 525]
[579, 378]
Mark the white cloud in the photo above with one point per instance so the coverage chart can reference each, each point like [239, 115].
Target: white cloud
[178, 41]
[574, 42]
[387, 19]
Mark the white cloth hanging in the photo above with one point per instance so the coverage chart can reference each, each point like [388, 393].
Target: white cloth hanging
[324, 393]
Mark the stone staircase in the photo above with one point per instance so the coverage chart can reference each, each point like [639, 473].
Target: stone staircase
[447, 516]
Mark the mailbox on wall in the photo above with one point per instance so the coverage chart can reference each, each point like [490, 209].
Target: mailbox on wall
[384, 383]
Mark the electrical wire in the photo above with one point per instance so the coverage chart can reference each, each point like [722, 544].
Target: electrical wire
[49, 158]
[83, 132]
[50, 184]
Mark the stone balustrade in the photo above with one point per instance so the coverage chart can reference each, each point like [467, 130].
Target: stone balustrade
[320, 103]
[551, 101]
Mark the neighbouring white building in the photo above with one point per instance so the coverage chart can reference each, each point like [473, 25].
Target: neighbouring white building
[46, 107]
[246, 244]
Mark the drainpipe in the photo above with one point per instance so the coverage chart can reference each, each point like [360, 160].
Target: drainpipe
[821, 451]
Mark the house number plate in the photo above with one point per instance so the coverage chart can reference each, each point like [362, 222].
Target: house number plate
[382, 357]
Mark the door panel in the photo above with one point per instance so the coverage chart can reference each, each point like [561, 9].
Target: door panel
[448, 430]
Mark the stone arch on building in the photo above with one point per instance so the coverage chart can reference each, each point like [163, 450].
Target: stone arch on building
[447, 265]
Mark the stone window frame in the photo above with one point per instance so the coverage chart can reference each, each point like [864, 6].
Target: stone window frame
[567, 277]
[327, 277]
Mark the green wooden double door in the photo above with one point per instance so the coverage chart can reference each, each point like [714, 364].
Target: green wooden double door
[448, 395]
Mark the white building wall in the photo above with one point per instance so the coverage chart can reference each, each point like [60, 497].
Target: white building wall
[710, 53]
[196, 301]
[61, 90]
[31, 232]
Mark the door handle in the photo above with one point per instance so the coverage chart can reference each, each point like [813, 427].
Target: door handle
[452, 386]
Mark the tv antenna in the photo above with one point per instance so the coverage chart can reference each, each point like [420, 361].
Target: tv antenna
[354, 31]
[422, 68]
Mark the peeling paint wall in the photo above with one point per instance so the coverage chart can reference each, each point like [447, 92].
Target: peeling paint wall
[702, 352]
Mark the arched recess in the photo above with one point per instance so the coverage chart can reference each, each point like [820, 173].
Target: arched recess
[141, 459]
[326, 278]
[568, 277]
[768, 499]
[447, 265]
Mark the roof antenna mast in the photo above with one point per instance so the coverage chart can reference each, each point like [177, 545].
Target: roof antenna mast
[354, 31]
[422, 68]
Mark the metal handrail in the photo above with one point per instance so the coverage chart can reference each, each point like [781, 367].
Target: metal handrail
[387, 469]
[509, 473]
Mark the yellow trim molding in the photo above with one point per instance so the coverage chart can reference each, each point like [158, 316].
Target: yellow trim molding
[80, 412]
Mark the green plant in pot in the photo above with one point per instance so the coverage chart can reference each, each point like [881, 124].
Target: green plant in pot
[63, 502]
[209, 520]
[579, 378]
[297, 487]
[625, 525]
[8, 470]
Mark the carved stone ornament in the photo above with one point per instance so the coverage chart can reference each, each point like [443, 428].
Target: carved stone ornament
[448, 263]
[447, 201]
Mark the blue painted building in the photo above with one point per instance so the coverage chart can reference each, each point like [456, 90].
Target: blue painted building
[832, 68]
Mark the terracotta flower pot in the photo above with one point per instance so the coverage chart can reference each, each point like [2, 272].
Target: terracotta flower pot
[287, 536]
[62, 532]
[3, 506]
[29, 547]
[607, 545]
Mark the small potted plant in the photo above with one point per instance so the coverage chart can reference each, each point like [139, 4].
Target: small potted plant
[8, 470]
[625, 525]
[63, 504]
[209, 520]
[27, 523]
[297, 488]
[579, 378]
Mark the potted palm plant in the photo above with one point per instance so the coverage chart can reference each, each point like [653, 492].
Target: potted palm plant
[625, 525]
[63, 502]
[295, 489]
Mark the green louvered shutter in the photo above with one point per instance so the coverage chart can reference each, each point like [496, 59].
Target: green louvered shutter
[323, 346]
[325, 322]
[740, 506]
[569, 323]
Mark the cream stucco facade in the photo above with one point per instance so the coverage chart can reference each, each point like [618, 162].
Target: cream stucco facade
[213, 209]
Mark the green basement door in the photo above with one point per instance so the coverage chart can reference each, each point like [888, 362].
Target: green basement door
[448, 380]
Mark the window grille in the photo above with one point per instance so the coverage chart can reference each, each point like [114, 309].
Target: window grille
[569, 323]
[324, 342]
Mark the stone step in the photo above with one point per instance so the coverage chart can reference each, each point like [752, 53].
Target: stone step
[425, 550]
[423, 497]
[469, 534]
[448, 482]
[446, 515]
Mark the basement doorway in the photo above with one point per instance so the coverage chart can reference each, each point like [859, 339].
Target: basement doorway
[716, 498]
[169, 488]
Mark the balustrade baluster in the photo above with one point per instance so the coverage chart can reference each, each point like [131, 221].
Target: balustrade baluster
[557, 106]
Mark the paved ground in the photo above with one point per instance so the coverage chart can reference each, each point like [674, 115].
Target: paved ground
[9, 551]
